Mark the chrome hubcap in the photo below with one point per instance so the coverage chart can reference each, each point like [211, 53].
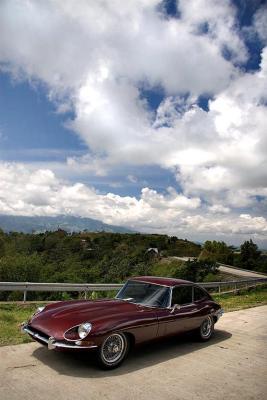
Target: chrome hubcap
[113, 348]
[206, 327]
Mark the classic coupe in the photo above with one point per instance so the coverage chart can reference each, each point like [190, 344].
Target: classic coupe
[145, 308]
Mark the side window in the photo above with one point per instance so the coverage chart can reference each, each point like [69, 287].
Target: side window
[199, 294]
[182, 295]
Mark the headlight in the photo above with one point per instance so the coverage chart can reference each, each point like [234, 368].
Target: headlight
[84, 329]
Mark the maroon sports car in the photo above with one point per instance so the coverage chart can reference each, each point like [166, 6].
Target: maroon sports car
[146, 308]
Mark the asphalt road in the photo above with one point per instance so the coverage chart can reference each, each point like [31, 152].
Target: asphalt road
[240, 272]
[233, 365]
[232, 271]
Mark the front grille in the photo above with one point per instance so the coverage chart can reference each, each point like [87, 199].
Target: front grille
[37, 331]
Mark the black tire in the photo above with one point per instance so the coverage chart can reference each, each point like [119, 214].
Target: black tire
[113, 351]
[206, 329]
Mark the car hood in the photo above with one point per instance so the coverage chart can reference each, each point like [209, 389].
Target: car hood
[57, 318]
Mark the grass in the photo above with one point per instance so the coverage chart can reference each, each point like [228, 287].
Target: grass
[11, 315]
[243, 299]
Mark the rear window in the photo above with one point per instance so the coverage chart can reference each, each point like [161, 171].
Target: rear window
[182, 295]
[199, 294]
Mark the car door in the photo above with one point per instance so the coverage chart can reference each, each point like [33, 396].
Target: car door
[184, 318]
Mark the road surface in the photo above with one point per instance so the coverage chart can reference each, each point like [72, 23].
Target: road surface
[229, 270]
[232, 366]
[240, 272]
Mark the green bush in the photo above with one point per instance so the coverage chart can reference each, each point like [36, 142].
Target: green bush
[196, 271]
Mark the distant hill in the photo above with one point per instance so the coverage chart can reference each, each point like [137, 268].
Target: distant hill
[13, 223]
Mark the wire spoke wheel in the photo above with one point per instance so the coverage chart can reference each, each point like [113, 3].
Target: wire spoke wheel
[206, 328]
[113, 349]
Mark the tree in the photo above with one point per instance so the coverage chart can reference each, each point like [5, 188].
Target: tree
[2, 247]
[216, 252]
[195, 270]
[20, 268]
[249, 255]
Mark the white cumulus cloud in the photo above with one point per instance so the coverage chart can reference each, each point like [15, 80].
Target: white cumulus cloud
[40, 192]
[97, 59]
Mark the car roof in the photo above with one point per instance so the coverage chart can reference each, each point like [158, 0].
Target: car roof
[158, 280]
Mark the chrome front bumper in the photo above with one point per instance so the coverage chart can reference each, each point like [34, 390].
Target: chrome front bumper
[219, 313]
[51, 342]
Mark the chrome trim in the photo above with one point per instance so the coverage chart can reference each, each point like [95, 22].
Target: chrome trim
[71, 340]
[152, 283]
[51, 342]
[25, 329]
[75, 340]
[175, 307]
[170, 299]
[219, 313]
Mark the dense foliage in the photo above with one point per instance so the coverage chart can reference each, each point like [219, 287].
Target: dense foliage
[197, 271]
[112, 257]
[84, 257]
[250, 257]
[216, 252]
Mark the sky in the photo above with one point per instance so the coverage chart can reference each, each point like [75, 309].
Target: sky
[146, 114]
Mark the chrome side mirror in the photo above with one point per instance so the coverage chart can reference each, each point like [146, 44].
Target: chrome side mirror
[175, 307]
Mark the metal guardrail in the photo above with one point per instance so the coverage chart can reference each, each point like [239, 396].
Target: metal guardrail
[87, 288]
[233, 286]
[56, 287]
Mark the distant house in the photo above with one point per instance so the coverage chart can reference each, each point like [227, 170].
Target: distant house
[153, 251]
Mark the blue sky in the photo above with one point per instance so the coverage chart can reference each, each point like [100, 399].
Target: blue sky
[29, 122]
[33, 131]
[149, 121]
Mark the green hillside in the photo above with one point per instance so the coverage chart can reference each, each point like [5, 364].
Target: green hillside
[85, 257]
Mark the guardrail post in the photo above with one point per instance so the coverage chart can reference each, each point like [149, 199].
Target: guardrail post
[24, 295]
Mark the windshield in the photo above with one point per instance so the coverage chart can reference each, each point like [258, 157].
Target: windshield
[145, 293]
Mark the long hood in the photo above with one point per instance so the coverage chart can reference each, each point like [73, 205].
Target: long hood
[57, 318]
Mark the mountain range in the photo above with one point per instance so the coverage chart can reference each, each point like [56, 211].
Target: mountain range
[25, 224]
